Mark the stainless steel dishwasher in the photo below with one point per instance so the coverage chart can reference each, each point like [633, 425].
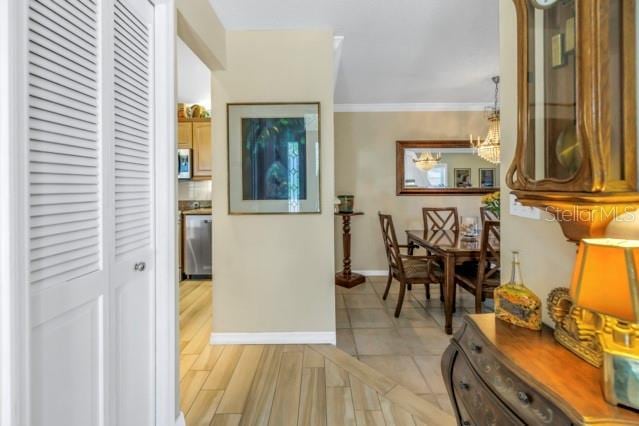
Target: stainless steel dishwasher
[198, 245]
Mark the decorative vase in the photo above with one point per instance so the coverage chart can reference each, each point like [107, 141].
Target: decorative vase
[515, 303]
[346, 203]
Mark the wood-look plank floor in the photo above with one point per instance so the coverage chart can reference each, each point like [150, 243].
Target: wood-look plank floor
[281, 385]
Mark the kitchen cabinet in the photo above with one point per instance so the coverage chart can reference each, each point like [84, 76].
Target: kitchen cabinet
[195, 134]
[185, 135]
[202, 158]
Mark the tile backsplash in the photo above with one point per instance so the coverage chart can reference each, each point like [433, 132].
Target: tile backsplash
[197, 190]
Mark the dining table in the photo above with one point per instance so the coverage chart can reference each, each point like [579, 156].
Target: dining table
[452, 248]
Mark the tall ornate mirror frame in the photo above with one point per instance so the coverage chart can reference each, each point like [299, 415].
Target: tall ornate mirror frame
[591, 187]
[401, 189]
[593, 112]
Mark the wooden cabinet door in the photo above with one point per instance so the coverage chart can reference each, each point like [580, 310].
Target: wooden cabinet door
[185, 135]
[202, 149]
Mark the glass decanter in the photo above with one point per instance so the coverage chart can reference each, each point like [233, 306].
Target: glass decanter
[515, 303]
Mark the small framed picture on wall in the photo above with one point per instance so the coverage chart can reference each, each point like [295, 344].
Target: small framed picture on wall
[487, 178]
[463, 178]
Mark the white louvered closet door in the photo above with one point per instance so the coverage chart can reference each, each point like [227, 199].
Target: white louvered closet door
[68, 274]
[90, 238]
[133, 201]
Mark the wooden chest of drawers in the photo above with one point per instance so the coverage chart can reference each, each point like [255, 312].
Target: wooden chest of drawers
[498, 374]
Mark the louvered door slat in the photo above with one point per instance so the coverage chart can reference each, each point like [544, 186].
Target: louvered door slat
[60, 251]
[71, 17]
[43, 18]
[122, 136]
[130, 210]
[50, 230]
[134, 152]
[42, 45]
[132, 165]
[64, 154]
[59, 83]
[73, 265]
[64, 237]
[129, 86]
[62, 148]
[126, 57]
[63, 209]
[52, 223]
[64, 108]
[45, 133]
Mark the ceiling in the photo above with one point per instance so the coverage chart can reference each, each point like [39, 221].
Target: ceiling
[394, 51]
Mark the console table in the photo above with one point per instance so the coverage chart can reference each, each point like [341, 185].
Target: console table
[346, 278]
[500, 374]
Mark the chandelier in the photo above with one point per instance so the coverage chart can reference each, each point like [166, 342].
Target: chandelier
[489, 149]
[427, 160]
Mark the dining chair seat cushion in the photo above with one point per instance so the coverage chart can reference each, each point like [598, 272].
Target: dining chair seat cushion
[416, 268]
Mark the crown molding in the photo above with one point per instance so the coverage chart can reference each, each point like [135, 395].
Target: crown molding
[410, 107]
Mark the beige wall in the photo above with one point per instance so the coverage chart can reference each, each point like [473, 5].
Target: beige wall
[546, 258]
[274, 273]
[365, 167]
[200, 28]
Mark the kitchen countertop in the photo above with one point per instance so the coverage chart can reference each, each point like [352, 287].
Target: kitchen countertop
[204, 211]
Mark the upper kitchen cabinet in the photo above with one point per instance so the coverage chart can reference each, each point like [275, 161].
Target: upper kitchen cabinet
[576, 130]
[195, 134]
[202, 164]
[185, 135]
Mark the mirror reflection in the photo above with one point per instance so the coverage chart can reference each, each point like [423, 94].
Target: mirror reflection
[456, 168]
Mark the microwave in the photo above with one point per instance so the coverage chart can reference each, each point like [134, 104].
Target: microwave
[184, 163]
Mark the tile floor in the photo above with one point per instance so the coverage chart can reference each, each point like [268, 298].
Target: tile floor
[407, 349]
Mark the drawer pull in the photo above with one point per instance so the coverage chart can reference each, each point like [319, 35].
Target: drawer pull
[464, 385]
[523, 398]
[475, 348]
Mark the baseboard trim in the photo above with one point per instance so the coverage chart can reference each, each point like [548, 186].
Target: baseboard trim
[180, 421]
[373, 272]
[278, 338]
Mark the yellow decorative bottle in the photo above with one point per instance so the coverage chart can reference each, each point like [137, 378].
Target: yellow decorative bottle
[515, 303]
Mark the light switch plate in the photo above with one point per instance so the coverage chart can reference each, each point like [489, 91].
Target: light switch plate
[518, 209]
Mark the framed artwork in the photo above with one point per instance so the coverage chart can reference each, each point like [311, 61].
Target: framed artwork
[558, 58]
[487, 178]
[569, 38]
[463, 178]
[273, 158]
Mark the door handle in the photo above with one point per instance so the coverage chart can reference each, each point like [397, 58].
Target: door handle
[207, 221]
[140, 266]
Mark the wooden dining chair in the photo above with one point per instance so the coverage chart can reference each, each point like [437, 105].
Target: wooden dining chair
[440, 218]
[483, 277]
[487, 214]
[405, 268]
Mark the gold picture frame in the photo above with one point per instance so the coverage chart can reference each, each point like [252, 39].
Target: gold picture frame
[557, 55]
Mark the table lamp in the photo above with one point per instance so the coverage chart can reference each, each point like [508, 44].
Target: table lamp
[605, 281]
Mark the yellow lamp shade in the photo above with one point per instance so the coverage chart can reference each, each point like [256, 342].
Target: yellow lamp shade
[605, 277]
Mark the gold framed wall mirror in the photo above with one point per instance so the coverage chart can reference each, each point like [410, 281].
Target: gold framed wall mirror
[443, 167]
